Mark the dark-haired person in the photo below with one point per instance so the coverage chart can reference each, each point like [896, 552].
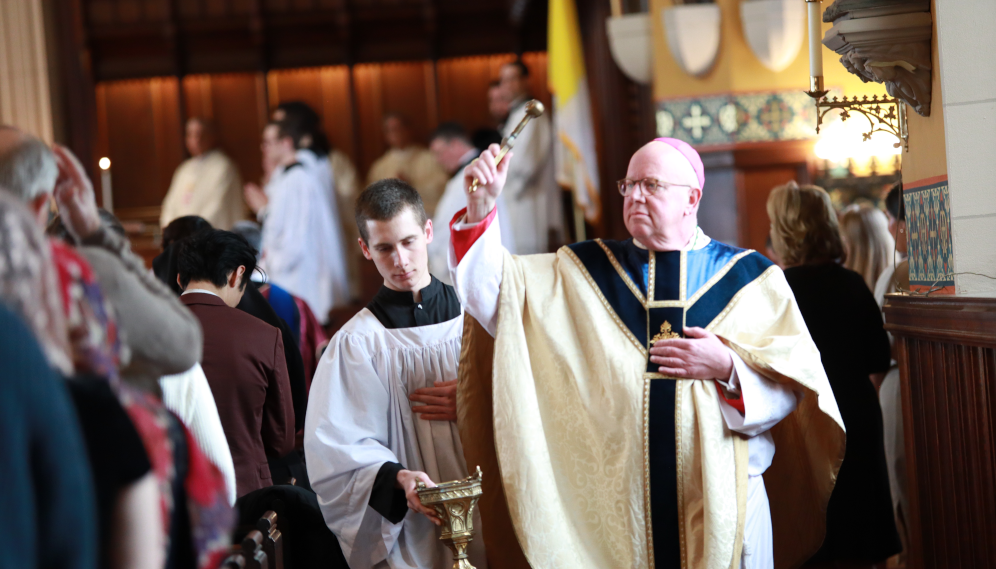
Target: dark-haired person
[454, 151]
[366, 446]
[207, 184]
[532, 197]
[243, 356]
[846, 327]
[409, 161]
[345, 179]
[302, 247]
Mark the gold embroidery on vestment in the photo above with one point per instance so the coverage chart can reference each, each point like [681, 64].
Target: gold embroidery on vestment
[622, 273]
[665, 334]
[733, 301]
[719, 275]
[646, 470]
[605, 303]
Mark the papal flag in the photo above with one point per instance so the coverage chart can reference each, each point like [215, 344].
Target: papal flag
[574, 145]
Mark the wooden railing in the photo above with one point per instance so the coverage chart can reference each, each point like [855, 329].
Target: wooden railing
[946, 349]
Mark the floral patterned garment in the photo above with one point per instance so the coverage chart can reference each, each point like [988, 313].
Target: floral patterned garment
[97, 350]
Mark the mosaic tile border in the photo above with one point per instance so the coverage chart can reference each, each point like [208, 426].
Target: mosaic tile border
[738, 118]
[928, 226]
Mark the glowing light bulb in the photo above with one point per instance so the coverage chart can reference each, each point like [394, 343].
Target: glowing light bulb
[104, 163]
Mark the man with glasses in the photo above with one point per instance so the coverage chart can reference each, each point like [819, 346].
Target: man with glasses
[634, 391]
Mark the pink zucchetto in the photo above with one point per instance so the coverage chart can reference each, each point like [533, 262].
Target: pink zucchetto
[686, 150]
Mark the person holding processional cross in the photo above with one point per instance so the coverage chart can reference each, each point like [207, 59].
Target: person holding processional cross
[624, 398]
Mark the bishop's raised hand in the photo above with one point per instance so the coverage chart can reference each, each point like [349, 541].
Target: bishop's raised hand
[492, 179]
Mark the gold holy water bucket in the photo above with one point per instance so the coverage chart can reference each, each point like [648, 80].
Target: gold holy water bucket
[454, 503]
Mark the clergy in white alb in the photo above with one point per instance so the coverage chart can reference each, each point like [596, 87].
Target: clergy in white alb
[365, 444]
[207, 184]
[302, 252]
[631, 394]
[532, 197]
[453, 150]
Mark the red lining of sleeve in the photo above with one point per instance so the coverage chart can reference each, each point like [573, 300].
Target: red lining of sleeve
[464, 239]
[737, 404]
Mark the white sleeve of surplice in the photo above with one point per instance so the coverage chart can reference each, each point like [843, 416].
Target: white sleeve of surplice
[345, 443]
[765, 402]
[477, 277]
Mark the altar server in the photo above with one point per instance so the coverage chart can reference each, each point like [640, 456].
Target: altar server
[365, 443]
[302, 251]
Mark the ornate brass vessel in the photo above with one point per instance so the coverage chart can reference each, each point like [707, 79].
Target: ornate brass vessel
[454, 502]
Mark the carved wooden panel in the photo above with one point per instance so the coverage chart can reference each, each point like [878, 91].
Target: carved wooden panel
[139, 127]
[947, 358]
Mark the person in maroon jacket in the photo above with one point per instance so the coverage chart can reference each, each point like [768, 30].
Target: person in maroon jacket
[243, 356]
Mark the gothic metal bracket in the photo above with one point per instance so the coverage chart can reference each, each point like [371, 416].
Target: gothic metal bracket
[884, 114]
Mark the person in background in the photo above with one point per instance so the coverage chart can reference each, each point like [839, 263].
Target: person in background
[498, 109]
[207, 184]
[865, 231]
[308, 333]
[846, 326]
[895, 278]
[408, 161]
[243, 356]
[453, 151]
[532, 196]
[301, 250]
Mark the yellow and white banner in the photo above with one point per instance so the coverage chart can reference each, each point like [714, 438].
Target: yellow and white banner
[574, 146]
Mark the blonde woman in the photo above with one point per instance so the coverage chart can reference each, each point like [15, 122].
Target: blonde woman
[865, 230]
[846, 326]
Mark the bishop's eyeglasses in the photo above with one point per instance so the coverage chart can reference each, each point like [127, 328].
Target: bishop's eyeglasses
[650, 186]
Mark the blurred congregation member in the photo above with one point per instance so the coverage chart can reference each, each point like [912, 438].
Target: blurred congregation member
[894, 279]
[896, 276]
[207, 184]
[865, 230]
[165, 266]
[302, 252]
[162, 339]
[48, 494]
[408, 161]
[345, 180]
[846, 326]
[454, 151]
[533, 197]
[243, 356]
[308, 332]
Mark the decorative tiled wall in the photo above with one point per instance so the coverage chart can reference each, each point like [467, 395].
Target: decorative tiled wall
[736, 118]
[928, 224]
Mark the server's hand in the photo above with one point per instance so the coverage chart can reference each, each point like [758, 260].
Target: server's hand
[407, 481]
[439, 402]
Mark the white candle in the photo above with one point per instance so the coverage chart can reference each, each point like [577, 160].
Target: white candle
[815, 37]
[105, 184]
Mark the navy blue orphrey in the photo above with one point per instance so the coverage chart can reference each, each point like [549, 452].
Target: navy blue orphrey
[619, 267]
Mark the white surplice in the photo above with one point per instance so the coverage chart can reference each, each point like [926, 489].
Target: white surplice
[359, 417]
[532, 196]
[321, 168]
[477, 277]
[302, 252]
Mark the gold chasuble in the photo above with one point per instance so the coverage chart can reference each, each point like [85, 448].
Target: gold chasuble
[591, 458]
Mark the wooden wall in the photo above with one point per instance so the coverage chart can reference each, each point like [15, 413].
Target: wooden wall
[140, 121]
[946, 349]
